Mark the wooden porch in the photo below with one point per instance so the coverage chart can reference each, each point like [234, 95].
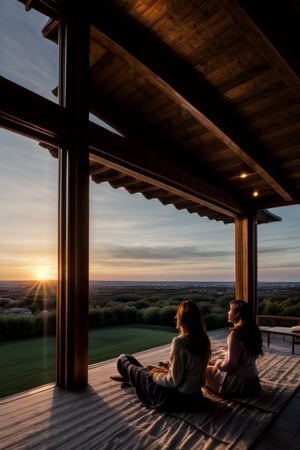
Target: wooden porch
[106, 414]
[204, 97]
[206, 106]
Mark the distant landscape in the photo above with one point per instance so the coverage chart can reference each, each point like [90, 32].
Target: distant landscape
[37, 296]
[122, 302]
[122, 317]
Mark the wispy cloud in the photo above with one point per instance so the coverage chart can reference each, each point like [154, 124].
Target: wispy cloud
[160, 252]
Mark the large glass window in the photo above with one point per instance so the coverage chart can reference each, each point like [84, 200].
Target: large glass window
[28, 225]
[28, 263]
[144, 258]
[279, 264]
[26, 57]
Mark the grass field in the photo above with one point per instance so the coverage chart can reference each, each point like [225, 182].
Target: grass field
[30, 363]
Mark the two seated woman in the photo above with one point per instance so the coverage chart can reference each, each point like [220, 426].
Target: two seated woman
[177, 384]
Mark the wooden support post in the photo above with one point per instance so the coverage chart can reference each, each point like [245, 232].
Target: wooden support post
[246, 259]
[73, 226]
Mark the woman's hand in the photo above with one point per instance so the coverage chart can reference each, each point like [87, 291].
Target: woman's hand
[215, 363]
[218, 363]
[155, 369]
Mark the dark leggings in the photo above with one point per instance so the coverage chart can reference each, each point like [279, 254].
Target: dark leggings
[152, 394]
[128, 366]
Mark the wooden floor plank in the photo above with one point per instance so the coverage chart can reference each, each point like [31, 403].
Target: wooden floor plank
[52, 416]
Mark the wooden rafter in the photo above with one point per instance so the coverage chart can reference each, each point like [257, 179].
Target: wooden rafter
[196, 102]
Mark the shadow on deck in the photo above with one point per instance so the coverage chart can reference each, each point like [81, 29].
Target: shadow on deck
[95, 418]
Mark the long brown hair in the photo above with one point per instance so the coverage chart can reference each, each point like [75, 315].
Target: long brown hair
[246, 327]
[191, 325]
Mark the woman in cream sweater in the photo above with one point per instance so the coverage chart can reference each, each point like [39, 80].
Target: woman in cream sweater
[176, 384]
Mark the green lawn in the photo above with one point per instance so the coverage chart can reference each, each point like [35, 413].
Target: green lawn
[28, 363]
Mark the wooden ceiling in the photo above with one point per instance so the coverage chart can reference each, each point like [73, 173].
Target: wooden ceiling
[205, 97]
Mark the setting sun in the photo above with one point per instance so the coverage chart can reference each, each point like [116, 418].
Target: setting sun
[41, 274]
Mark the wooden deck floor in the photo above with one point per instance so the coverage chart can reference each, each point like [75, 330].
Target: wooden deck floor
[284, 432]
[45, 414]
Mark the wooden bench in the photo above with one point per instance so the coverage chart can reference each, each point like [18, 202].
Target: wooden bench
[283, 331]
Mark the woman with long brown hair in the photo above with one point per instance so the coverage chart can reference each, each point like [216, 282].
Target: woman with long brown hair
[237, 372]
[176, 384]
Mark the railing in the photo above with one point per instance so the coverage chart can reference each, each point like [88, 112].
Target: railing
[277, 321]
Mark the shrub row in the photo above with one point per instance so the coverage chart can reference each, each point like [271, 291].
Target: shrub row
[44, 323]
[279, 307]
[18, 326]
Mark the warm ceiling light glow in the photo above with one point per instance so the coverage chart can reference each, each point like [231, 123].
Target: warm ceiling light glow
[243, 175]
[255, 194]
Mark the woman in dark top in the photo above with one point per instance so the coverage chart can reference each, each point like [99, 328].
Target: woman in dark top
[237, 372]
[176, 384]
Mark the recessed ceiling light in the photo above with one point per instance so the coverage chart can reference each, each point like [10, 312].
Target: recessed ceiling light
[255, 194]
[243, 175]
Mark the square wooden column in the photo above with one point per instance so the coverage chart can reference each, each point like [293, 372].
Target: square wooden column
[246, 259]
[73, 226]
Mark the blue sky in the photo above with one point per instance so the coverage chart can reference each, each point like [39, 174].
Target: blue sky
[131, 238]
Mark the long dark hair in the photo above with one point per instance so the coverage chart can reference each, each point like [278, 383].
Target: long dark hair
[190, 322]
[246, 327]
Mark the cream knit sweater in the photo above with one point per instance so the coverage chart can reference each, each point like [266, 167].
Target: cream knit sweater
[187, 371]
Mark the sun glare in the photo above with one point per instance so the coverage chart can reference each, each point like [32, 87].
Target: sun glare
[41, 274]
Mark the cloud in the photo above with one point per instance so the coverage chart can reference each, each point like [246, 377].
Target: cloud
[161, 252]
[275, 249]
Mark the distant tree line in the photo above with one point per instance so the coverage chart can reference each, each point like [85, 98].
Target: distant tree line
[280, 307]
[155, 307]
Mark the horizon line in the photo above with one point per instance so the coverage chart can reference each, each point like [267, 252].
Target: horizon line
[151, 281]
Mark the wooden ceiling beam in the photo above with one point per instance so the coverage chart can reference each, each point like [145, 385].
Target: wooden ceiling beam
[138, 161]
[30, 114]
[137, 186]
[194, 95]
[247, 18]
[203, 198]
[50, 8]
[44, 120]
